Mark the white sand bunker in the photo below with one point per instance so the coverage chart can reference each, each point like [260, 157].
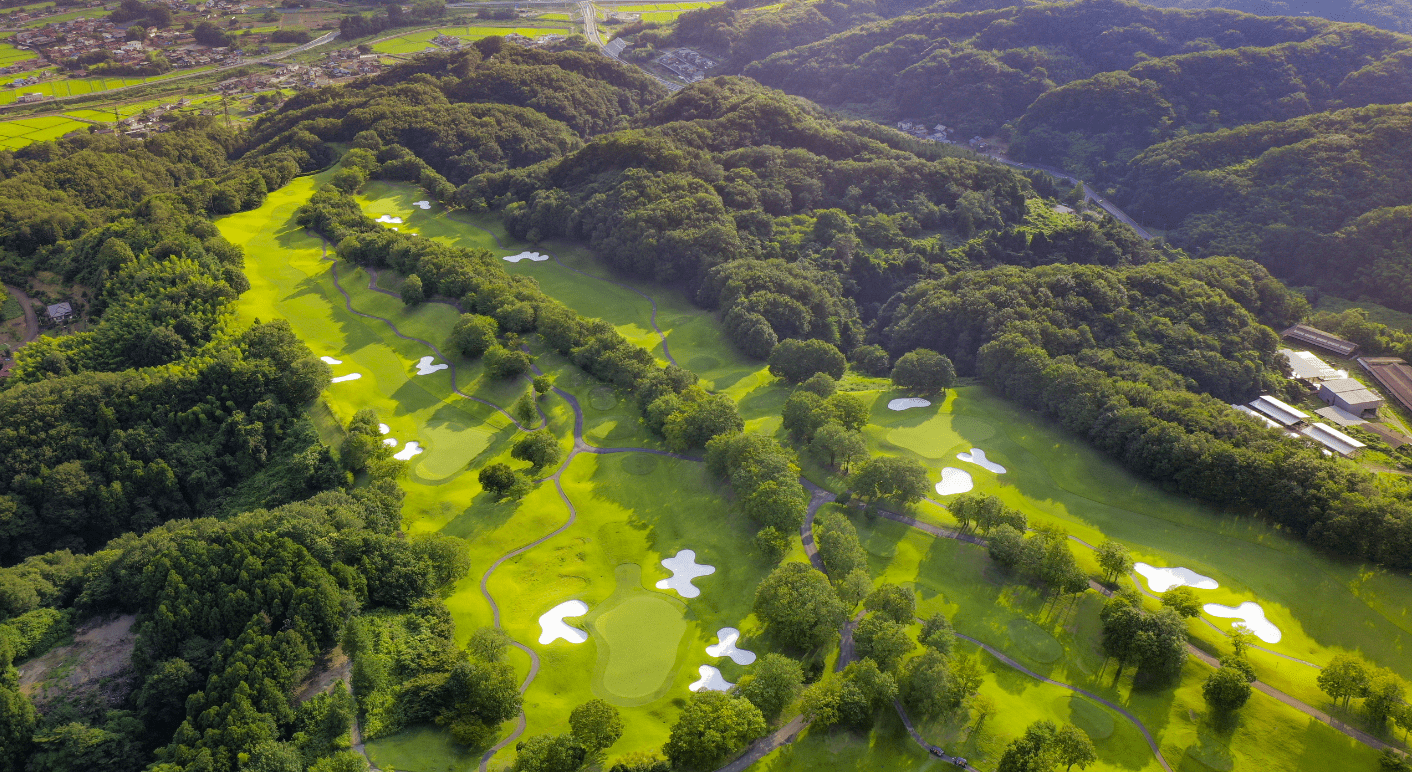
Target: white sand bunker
[711, 680]
[425, 366]
[908, 402]
[1251, 615]
[727, 648]
[684, 568]
[405, 454]
[534, 256]
[552, 623]
[977, 457]
[1164, 579]
[387, 218]
[384, 429]
[954, 480]
[391, 442]
[331, 361]
[349, 377]
[422, 204]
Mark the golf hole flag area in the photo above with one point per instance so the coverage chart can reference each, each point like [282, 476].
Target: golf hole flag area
[651, 571]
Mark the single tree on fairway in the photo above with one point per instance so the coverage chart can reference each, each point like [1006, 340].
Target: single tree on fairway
[596, 725]
[1344, 678]
[711, 728]
[1072, 747]
[1182, 600]
[412, 293]
[1114, 559]
[923, 371]
[799, 606]
[772, 683]
[1226, 690]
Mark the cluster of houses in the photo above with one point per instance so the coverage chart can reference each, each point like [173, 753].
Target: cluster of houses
[72, 39]
[936, 133]
[686, 64]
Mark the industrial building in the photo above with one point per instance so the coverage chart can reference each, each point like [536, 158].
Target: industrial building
[1314, 336]
[1393, 374]
[1282, 413]
[1304, 366]
[1350, 396]
[1332, 438]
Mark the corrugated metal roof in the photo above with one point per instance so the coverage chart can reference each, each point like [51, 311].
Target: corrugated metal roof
[1331, 438]
[1274, 408]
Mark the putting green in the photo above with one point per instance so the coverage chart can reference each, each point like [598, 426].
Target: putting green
[639, 635]
[1086, 715]
[450, 445]
[603, 397]
[1034, 642]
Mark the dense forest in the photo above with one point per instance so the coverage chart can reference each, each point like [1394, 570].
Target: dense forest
[1271, 139]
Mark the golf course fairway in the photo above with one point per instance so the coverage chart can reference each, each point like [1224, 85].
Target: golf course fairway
[610, 519]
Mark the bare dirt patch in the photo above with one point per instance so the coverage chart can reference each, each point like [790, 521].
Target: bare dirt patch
[331, 668]
[98, 663]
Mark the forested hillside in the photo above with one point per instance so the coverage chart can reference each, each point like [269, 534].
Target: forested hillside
[1322, 200]
[1087, 84]
[1392, 15]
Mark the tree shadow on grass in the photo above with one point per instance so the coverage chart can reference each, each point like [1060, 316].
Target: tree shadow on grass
[483, 516]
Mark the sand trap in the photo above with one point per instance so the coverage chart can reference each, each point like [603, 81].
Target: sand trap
[391, 442]
[906, 403]
[711, 680]
[1251, 615]
[331, 361]
[534, 256]
[552, 623]
[425, 366]
[406, 453]
[954, 480]
[977, 457]
[422, 204]
[349, 377]
[1164, 579]
[384, 429]
[727, 648]
[387, 218]
[684, 568]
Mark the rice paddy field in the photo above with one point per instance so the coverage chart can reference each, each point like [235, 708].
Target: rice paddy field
[625, 512]
[17, 133]
[63, 87]
[416, 42]
[659, 12]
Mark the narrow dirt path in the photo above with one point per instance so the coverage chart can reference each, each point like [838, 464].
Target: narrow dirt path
[31, 318]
